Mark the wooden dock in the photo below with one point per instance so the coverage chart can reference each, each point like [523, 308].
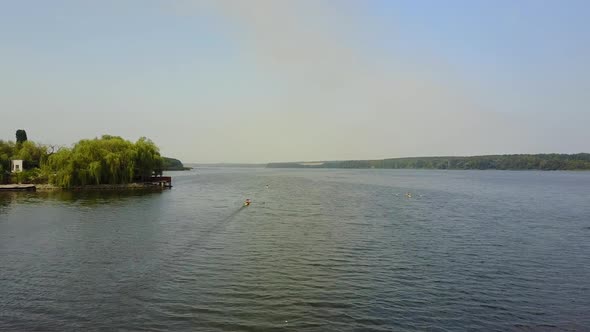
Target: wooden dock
[162, 181]
[17, 187]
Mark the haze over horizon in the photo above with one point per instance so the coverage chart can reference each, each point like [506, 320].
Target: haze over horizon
[262, 81]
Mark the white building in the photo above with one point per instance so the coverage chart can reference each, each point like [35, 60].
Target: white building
[16, 166]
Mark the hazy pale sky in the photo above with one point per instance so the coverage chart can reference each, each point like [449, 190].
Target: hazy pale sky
[277, 80]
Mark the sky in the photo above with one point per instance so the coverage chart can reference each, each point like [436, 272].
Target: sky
[276, 80]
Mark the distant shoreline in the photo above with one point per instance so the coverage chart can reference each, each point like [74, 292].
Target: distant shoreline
[184, 168]
[543, 162]
[226, 165]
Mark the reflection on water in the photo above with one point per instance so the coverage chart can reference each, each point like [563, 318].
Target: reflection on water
[318, 250]
[68, 196]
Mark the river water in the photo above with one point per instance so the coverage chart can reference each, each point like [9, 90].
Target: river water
[318, 250]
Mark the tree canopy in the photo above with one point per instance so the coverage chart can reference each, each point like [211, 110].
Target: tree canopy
[171, 164]
[31, 153]
[21, 136]
[105, 160]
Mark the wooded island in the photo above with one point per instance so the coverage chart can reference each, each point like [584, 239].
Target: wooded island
[108, 160]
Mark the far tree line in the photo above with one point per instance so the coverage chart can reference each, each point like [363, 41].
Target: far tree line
[580, 161]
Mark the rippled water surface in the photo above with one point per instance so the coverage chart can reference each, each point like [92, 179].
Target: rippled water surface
[318, 250]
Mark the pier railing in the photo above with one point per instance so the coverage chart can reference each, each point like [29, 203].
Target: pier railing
[164, 181]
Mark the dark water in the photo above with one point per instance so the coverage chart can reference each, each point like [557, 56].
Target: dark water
[318, 250]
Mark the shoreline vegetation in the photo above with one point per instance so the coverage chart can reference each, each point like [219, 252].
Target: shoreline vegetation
[113, 163]
[171, 164]
[100, 187]
[108, 162]
[545, 162]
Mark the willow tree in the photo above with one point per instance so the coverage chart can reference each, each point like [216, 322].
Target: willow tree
[105, 160]
[148, 159]
[60, 168]
[7, 150]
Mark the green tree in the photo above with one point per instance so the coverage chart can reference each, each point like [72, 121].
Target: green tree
[105, 160]
[32, 153]
[21, 136]
[7, 150]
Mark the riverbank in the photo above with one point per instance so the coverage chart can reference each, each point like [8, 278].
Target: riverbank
[17, 187]
[106, 187]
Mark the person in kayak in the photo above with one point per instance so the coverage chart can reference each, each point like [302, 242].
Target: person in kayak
[247, 202]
